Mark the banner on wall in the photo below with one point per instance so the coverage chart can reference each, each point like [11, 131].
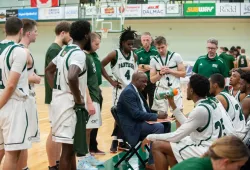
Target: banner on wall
[11, 13]
[90, 10]
[30, 13]
[153, 10]
[173, 9]
[227, 9]
[44, 3]
[51, 13]
[2, 15]
[132, 10]
[199, 9]
[108, 11]
[245, 9]
[71, 12]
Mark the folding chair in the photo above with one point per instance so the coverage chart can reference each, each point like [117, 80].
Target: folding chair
[134, 149]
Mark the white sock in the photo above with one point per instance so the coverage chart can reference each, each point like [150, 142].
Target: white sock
[26, 168]
[114, 137]
[120, 140]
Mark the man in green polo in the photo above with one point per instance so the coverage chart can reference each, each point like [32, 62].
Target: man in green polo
[144, 54]
[228, 58]
[210, 63]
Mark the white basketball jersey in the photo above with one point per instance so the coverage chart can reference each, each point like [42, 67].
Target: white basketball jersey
[171, 61]
[235, 112]
[6, 61]
[31, 71]
[61, 84]
[124, 68]
[236, 96]
[215, 126]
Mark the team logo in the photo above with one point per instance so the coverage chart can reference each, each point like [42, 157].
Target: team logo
[215, 65]
[94, 121]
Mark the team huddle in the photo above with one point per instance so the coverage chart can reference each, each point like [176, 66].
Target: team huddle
[73, 75]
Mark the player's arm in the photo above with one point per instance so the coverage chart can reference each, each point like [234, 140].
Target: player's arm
[50, 71]
[198, 118]
[242, 96]
[245, 108]
[91, 108]
[111, 56]
[20, 59]
[180, 72]
[223, 101]
[155, 75]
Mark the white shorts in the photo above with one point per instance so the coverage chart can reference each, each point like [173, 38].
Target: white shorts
[14, 125]
[186, 148]
[115, 95]
[50, 114]
[162, 105]
[63, 119]
[95, 121]
[33, 119]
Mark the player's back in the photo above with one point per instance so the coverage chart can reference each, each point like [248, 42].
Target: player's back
[9, 51]
[235, 113]
[63, 61]
[214, 128]
[123, 68]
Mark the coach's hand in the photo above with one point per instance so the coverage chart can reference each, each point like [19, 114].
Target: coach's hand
[162, 115]
[144, 142]
[91, 108]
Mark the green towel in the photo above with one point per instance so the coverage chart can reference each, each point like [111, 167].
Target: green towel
[80, 143]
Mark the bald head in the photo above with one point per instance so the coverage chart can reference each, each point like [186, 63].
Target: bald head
[139, 80]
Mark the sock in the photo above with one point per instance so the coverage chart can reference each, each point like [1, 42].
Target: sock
[26, 168]
[120, 140]
[57, 162]
[114, 137]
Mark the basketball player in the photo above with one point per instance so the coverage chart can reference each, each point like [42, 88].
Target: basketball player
[166, 70]
[69, 88]
[14, 91]
[242, 59]
[53, 149]
[144, 55]
[122, 63]
[245, 88]
[235, 85]
[231, 105]
[203, 125]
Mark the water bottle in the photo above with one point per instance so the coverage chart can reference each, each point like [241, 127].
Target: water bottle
[170, 92]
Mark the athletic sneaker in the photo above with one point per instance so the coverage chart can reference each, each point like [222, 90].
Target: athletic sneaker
[84, 165]
[93, 161]
[124, 146]
[97, 152]
[114, 146]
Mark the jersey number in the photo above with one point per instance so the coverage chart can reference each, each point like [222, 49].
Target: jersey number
[127, 75]
[237, 107]
[1, 80]
[56, 81]
[219, 124]
[169, 84]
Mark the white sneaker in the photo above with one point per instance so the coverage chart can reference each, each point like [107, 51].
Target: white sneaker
[93, 161]
[84, 165]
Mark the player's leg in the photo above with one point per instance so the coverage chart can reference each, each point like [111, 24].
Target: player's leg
[88, 131]
[11, 158]
[23, 160]
[163, 155]
[66, 157]
[2, 152]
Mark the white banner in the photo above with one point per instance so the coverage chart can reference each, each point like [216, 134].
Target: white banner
[90, 10]
[245, 9]
[51, 13]
[2, 15]
[71, 12]
[173, 9]
[153, 10]
[227, 9]
[132, 10]
[108, 12]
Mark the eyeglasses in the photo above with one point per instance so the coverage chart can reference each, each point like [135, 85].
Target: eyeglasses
[211, 48]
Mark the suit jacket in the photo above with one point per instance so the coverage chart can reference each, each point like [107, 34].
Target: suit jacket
[131, 115]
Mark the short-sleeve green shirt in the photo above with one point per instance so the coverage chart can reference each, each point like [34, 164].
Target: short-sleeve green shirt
[144, 57]
[92, 81]
[228, 59]
[206, 66]
[51, 53]
[194, 163]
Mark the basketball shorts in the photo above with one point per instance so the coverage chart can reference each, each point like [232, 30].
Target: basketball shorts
[186, 148]
[50, 114]
[14, 126]
[33, 119]
[162, 105]
[63, 119]
[115, 95]
[95, 121]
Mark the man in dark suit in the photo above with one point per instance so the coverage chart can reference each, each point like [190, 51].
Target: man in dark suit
[133, 111]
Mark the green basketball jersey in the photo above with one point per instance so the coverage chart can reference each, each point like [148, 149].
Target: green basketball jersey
[92, 80]
[242, 62]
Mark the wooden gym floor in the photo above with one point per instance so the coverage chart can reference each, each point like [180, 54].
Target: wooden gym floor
[37, 154]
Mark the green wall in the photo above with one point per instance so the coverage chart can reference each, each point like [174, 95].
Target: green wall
[185, 36]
